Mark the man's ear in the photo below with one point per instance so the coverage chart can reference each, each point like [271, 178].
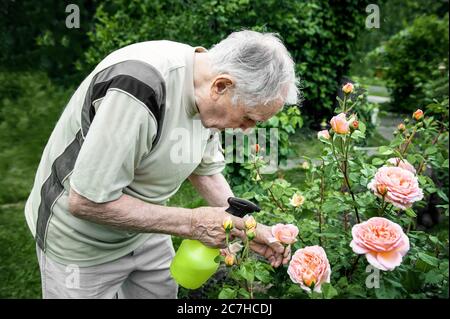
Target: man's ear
[221, 84]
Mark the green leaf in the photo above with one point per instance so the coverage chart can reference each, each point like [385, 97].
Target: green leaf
[263, 275]
[244, 293]
[228, 293]
[357, 135]
[442, 195]
[328, 291]
[434, 277]
[431, 150]
[246, 271]
[362, 127]
[377, 161]
[430, 260]
[410, 212]
[385, 150]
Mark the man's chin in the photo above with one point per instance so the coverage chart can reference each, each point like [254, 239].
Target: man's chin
[216, 129]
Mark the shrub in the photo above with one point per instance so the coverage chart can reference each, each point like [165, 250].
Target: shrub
[319, 34]
[411, 59]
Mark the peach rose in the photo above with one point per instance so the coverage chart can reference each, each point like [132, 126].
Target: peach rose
[396, 161]
[310, 266]
[297, 200]
[286, 234]
[339, 124]
[418, 114]
[383, 242]
[402, 186]
[348, 88]
[324, 133]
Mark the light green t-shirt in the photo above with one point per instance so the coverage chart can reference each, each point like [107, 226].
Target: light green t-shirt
[131, 127]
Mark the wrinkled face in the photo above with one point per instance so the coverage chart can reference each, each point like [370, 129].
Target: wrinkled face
[221, 113]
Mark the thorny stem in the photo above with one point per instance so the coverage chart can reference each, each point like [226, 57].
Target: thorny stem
[344, 104]
[345, 179]
[322, 186]
[269, 189]
[345, 172]
[273, 197]
[383, 206]
[352, 270]
[420, 168]
[408, 142]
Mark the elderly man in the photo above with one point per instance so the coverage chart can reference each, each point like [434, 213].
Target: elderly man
[97, 209]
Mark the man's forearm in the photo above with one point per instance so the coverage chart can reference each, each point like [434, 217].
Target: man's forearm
[133, 214]
[213, 188]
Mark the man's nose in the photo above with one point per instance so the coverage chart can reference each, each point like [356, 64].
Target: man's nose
[246, 128]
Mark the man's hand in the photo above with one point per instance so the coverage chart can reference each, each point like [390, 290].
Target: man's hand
[207, 227]
[275, 252]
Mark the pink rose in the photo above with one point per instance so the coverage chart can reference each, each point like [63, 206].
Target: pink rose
[401, 185]
[310, 266]
[339, 124]
[396, 161]
[383, 242]
[324, 133]
[286, 234]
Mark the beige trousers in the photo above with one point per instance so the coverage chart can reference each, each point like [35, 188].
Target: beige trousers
[143, 274]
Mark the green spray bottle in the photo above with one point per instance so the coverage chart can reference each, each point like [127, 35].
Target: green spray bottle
[194, 263]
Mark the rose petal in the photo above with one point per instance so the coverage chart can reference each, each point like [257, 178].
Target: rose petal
[372, 259]
[390, 260]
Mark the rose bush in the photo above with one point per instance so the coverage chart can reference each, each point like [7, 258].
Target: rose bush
[352, 205]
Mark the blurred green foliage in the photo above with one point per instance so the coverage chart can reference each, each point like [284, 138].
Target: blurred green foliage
[415, 62]
[395, 15]
[34, 36]
[319, 34]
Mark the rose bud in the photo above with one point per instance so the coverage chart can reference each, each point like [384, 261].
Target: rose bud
[229, 260]
[256, 148]
[324, 134]
[250, 223]
[348, 88]
[418, 114]
[382, 189]
[227, 224]
[401, 127]
[354, 125]
[339, 124]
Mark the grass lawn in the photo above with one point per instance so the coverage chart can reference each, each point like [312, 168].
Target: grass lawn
[19, 270]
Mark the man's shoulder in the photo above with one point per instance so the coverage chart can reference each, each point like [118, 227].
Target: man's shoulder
[164, 55]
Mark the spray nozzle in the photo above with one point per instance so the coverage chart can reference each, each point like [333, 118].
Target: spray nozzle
[240, 207]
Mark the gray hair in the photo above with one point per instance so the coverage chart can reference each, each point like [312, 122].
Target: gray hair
[262, 67]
